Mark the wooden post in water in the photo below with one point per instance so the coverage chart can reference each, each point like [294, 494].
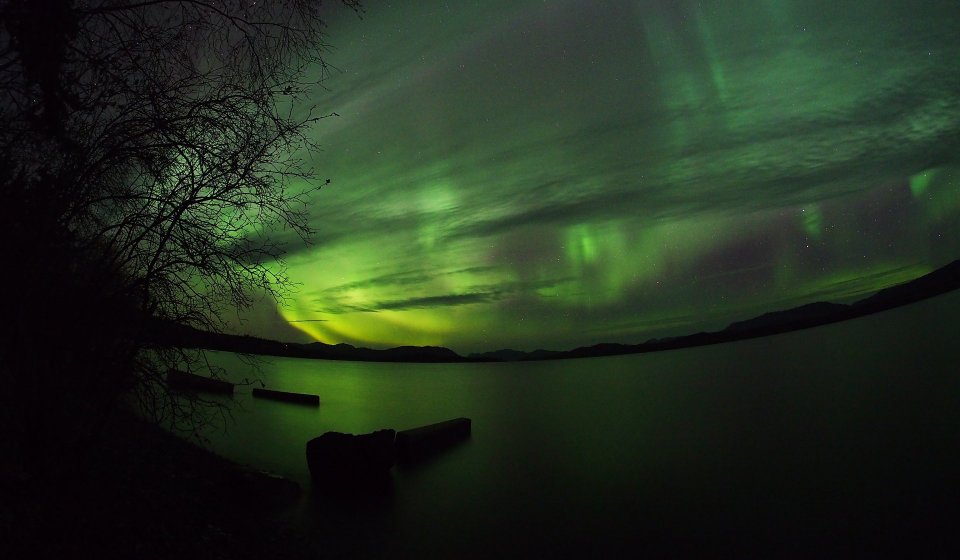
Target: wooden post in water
[420, 442]
[183, 380]
[296, 398]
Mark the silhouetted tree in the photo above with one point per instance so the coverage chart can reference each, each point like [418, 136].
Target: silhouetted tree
[147, 150]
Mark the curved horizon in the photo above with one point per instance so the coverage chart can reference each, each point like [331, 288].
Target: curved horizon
[781, 321]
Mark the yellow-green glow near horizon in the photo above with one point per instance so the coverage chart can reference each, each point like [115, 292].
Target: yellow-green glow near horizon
[527, 174]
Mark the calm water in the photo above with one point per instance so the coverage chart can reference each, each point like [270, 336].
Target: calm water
[827, 440]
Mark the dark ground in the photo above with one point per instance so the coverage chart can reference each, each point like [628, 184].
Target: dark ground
[145, 493]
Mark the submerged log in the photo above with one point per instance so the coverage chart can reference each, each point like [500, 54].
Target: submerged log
[421, 442]
[183, 380]
[336, 458]
[297, 398]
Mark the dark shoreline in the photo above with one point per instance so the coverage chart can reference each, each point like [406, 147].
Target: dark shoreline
[140, 491]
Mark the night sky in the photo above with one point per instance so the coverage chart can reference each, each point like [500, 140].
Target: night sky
[551, 174]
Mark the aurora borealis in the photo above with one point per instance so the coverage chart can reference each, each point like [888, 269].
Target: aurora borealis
[533, 174]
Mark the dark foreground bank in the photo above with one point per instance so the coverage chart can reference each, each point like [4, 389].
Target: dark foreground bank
[145, 493]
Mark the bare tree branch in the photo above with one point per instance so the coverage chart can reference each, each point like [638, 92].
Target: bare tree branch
[148, 148]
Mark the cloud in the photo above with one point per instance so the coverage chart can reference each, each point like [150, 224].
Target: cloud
[334, 301]
[404, 278]
[429, 302]
[479, 294]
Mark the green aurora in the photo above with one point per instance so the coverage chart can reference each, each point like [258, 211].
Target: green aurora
[533, 174]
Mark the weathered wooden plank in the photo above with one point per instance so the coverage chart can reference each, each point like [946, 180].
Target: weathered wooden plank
[297, 398]
[425, 440]
[183, 380]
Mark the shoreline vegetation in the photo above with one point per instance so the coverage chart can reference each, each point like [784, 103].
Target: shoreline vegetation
[139, 491]
[940, 281]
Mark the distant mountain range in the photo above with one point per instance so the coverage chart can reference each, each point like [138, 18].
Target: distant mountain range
[189, 337]
[935, 283]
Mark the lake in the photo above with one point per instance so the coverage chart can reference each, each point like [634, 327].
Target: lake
[835, 440]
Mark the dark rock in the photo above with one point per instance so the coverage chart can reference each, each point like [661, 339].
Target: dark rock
[336, 458]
